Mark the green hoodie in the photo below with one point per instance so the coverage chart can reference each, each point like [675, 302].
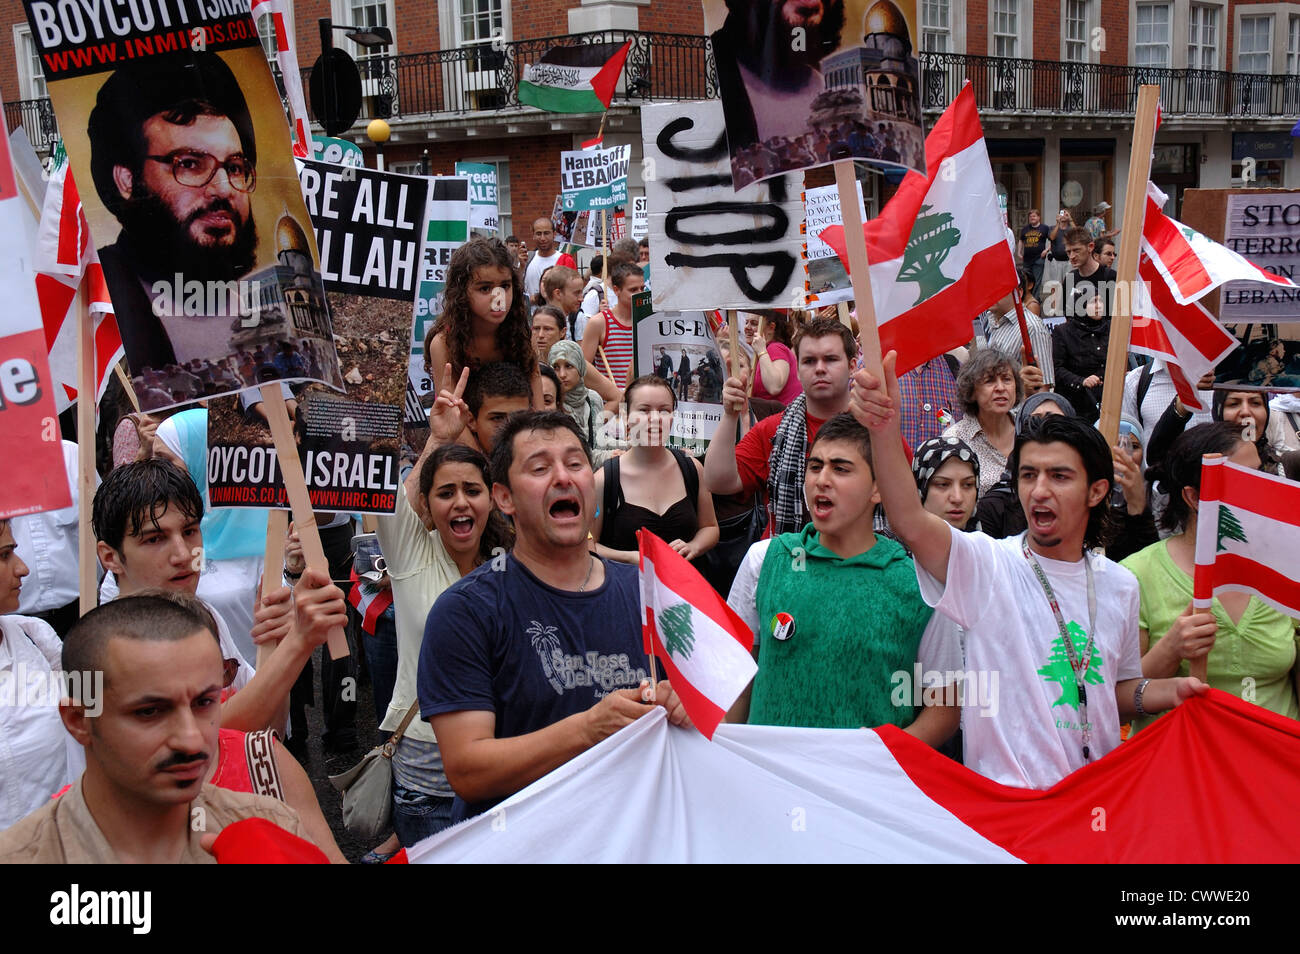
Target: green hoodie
[857, 622]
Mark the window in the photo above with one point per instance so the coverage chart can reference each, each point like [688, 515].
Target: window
[1151, 46]
[503, 192]
[1293, 47]
[364, 13]
[1203, 38]
[31, 76]
[1006, 28]
[478, 23]
[1267, 175]
[1076, 31]
[936, 26]
[1256, 44]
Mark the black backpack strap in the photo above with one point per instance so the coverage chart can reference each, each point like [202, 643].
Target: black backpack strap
[613, 492]
[690, 476]
[953, 364]
[1144, 385]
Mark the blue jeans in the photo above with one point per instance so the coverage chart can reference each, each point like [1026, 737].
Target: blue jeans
[381, 658]
[417, 815]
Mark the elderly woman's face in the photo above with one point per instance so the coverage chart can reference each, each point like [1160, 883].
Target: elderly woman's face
[996, 394]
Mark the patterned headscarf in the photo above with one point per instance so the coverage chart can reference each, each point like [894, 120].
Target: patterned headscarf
[932, 454]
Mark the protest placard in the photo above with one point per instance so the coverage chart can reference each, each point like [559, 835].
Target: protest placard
[827, 279]
[711, 246]
[447, 229]
[29, 425]
[370, 228]
[485, 214]
[806, 85]
[680, 348]
[594, 179]
[175, 131]
[640, 217]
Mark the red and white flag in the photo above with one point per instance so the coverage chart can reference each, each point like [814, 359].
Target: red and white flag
[65, 260]
[286, 57]
[1193, 264]
[938, 250]
[703, 644]
[370, 601]
[1247, 535]
[1186, 336]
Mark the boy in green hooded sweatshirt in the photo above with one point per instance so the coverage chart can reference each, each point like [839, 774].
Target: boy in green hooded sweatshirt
[838, 620]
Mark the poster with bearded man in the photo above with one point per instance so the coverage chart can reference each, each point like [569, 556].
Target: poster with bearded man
[806, 82]
[179, 146]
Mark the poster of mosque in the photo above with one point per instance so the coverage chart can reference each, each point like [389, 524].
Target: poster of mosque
[806, 82]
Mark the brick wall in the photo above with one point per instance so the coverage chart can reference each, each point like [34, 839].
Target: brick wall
[12, 11]
[1047, 31]
[1114, 20]
[977, 27]
[673, 16]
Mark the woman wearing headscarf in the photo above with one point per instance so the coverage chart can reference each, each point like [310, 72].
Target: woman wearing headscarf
[1249, 410]
[947, 473]
[581, 403]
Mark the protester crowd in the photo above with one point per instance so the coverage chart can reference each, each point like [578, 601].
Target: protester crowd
[949, 521]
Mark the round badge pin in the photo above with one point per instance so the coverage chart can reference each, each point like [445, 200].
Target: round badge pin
[782, 626]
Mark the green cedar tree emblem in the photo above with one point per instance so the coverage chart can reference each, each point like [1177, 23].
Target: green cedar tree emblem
[1058, 668]
[932, 238]
[678, 634]
[1230, 527]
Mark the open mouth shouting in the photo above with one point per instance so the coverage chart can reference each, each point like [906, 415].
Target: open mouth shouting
[822, 506]
[565, 508]
[1042, 520]
[462, 527]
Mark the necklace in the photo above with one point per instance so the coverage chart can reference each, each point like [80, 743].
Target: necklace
[591, 565]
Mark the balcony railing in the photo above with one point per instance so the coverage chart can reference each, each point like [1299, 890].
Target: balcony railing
[671, 66]
[36, 116]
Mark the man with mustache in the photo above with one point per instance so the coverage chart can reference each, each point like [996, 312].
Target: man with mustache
[174, 157]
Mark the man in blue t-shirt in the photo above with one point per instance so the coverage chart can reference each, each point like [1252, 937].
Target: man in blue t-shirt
[537, 655]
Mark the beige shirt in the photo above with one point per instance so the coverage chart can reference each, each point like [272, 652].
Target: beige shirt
[64, 832]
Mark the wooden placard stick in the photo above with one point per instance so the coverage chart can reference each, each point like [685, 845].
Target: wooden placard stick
[295, 485]
[277, 528]
[733, 336]
[87, 559]
[609, 373]
[762, 331]
[842, 309]
[1121, 321]
[604, 261]
[123, 380]
[859, 269]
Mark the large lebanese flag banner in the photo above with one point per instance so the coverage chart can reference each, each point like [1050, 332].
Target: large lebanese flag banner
[704, 644]
[35, 478]
[1247, 535]
[652, 793]
[938, 251]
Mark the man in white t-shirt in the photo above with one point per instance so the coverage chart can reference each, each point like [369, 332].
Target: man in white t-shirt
[546, 255]
[1062, 702]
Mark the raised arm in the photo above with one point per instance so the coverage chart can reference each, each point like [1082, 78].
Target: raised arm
[874, 403]
[448, 418]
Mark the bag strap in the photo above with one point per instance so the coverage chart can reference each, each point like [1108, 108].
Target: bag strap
[1144, 385]
[406, 720]
[613, 492]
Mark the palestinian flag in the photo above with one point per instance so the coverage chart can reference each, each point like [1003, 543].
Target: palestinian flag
[574, 79]
[704, 645]
[1247, 535]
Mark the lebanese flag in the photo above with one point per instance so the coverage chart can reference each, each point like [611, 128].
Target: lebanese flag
[1247, 535]
[65, 260]
[704, 645]
[1186, 336]
[1193, 264]
[776, 794]
[938, 250]
[574, 79]
[369, 601]
[286, 57]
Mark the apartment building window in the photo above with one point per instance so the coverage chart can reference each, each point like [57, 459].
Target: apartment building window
[1254, 50]
[479, 22]
[364, 13]
[1006, 36]
[936, 26]
[31, 75]
[1075, 16]
[1293, 47]
[1151, 39]
[1203, 38]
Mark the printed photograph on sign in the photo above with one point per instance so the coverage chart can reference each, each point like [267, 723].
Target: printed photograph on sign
[370, 228]
[806, 82]
[1268, 359]
[680, 348]
[711, 245]
[176, 135]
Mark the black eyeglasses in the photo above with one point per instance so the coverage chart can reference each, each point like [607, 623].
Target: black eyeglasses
[196, 169]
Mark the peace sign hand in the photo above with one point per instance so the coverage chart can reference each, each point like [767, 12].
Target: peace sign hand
[450, 414]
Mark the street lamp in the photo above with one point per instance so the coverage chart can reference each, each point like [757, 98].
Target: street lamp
[379, 132]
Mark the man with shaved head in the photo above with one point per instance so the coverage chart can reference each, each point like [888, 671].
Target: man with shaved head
[547, 254]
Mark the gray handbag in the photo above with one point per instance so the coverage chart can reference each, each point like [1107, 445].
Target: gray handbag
[367, 787]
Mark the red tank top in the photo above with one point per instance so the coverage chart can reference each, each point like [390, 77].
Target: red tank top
[617, 345]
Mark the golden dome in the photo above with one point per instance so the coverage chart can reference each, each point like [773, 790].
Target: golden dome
[289, 236]
[884, 17]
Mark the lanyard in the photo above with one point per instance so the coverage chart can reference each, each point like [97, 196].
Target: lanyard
[1079, 662]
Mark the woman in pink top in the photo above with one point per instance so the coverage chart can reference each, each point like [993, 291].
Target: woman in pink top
[776, 380]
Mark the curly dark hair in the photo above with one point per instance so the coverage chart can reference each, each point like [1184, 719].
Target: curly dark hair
[457, 322]
[496, 535]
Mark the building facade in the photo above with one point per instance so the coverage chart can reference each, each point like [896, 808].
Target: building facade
[1055, 84]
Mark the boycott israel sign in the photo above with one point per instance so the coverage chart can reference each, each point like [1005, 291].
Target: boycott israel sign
[713, 246]
[370, 229]
[196, 213]
[29, 426]
[593, 179]
[484, 211]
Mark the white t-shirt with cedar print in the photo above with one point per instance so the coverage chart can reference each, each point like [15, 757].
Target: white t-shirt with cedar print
[1032, 737]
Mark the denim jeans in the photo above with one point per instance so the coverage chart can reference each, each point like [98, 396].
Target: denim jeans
[418, 815]
[381, 658]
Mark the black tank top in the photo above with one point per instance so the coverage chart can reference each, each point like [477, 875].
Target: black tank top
[622, 520]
